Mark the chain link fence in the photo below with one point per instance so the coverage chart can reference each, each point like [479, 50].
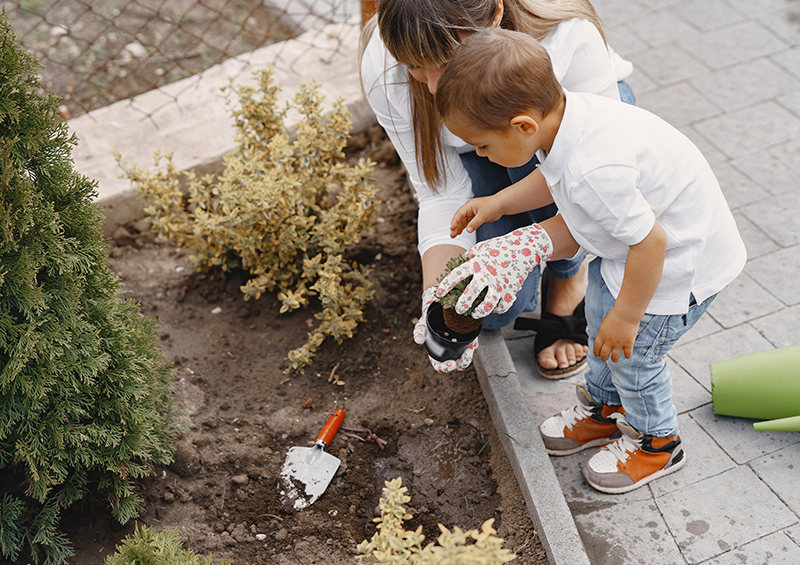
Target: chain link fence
[96, 52]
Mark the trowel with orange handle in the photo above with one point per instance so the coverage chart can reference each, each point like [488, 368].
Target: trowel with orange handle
[307, 471]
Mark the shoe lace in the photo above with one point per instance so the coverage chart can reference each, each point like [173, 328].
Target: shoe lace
[573, 415]
[623, 448]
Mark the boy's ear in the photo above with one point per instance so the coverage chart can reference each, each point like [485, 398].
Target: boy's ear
[525, 124]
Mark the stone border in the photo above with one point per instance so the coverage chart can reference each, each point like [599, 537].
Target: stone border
[519, 435]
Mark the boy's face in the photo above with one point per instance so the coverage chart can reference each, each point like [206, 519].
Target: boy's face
[513, 146]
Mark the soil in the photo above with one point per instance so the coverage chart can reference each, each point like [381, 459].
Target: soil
[243, 412]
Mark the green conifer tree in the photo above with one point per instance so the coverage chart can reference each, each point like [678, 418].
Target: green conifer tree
[85, 394]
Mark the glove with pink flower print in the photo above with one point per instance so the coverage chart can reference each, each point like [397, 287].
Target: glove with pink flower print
[421, 334]
[500, 264]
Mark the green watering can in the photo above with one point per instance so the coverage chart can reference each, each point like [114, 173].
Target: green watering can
[764, 386]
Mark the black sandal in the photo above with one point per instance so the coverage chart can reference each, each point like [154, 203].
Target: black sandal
[550, 328]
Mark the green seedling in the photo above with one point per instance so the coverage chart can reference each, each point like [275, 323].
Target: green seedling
[484, 446]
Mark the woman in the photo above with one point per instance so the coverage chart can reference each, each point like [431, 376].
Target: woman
[400, 66]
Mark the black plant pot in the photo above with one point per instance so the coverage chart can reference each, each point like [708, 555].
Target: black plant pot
[442, 343]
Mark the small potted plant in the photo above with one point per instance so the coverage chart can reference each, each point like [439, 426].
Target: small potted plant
[450, 333]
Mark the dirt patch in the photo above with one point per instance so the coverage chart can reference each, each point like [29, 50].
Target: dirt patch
[243, 412]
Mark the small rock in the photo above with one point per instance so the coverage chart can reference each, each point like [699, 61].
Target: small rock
[58, 31]
[240, 479]
[239, 533]
[281, 534]
[428, 422]
[186, 459]
[261, 537]
[217, 310]
[168, 497]
[123, 237]
[134, 50]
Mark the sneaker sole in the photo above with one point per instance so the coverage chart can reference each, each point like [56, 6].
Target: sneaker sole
[594, 443]
[641, 482]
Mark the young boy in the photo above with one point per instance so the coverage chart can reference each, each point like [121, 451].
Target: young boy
[631, 190]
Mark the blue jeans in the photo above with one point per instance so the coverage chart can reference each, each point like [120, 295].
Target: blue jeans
[625, 92]
[641, 384]
[489, 178]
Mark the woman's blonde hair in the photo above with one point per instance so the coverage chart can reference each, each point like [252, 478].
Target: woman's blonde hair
[494, 75]
[425, 33]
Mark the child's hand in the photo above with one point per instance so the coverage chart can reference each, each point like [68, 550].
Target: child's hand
[475, 213]
[615, 337]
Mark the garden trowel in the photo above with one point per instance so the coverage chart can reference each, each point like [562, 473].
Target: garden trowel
[308, 470]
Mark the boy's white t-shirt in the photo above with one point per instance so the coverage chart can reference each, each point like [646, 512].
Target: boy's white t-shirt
[613, 169]
[581, 61]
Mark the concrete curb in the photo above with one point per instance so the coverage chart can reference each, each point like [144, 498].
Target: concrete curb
[519, 434]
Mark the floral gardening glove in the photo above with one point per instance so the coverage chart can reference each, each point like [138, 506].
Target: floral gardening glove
[500, 264]
[421, 334]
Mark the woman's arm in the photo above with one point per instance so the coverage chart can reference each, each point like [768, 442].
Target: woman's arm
[385, 83]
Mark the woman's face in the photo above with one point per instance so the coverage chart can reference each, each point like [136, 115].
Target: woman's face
[427, 75]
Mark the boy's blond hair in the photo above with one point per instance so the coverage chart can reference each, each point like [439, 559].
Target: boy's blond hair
[497, 74]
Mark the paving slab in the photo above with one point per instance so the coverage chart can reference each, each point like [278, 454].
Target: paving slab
[706, 525]
[775, 216]
[778, 470]
[737, 438]
[777, 272]
[627, 532]
[775, 549]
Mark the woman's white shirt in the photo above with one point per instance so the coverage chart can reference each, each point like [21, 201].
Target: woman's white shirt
[581, 61]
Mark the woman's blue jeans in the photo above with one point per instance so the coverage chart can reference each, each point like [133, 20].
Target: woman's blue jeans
[489, 178]
[641, 384]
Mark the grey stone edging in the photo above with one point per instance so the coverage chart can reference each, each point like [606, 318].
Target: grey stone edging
[519, 435]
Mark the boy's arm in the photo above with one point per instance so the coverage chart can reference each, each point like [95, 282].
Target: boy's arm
[643, 268]
[527, 194]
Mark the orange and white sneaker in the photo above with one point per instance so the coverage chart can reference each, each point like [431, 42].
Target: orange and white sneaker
[633, 460]
[587, 424]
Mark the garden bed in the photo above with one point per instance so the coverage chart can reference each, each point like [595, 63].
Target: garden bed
[243, 411]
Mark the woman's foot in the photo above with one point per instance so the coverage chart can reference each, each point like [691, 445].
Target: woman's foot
[563, 297]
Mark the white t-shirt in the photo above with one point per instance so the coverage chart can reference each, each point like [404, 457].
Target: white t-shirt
[581, 62]
[613, 170]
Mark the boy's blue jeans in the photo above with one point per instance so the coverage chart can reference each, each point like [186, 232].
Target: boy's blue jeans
[641, 384]
[489, 178]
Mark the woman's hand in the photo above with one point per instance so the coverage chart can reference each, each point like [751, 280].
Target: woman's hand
[421, 334]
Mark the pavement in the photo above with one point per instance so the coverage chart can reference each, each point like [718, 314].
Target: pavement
[727, 74]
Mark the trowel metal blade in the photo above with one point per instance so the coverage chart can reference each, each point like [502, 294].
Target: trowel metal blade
[305, 475]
